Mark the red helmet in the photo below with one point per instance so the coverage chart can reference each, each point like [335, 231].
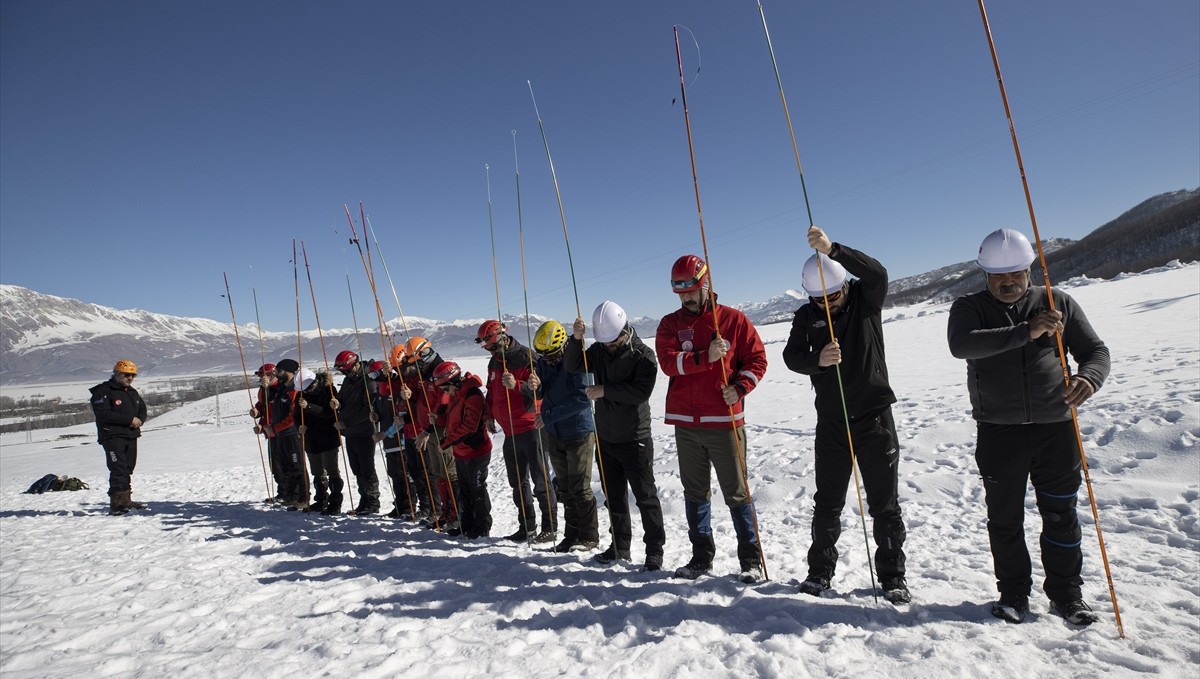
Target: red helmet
[266, 369]
[489, 333]
[446, 373]
[345, 359]
[689, 273]
[378, 370]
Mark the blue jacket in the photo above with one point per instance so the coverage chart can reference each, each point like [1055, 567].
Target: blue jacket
[566, 410]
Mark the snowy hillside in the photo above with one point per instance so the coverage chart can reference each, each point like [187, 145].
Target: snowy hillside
[211, 583]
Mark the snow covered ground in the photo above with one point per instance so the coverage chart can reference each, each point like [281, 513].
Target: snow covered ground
[212, 583]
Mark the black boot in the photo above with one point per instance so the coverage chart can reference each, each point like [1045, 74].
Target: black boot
[320, 497]
[333, 504]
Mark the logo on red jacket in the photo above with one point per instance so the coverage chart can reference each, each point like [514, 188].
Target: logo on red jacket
[685, 336]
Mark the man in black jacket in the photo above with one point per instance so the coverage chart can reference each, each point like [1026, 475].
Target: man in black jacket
[855, 309]
[1023, 407]
[356, 422]
[120, 413]
[623, 371]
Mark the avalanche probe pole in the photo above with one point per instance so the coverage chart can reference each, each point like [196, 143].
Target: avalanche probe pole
[1062, 354]
[862, 514]
[246, 376]
[737, 442]
[578, 313]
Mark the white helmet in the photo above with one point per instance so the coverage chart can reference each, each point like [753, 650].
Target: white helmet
[1005, 251]
[835, 276]
[304, 378]
[608, 321]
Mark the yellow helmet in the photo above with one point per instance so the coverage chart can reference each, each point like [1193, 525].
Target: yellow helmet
[550, 337]
[124, 366]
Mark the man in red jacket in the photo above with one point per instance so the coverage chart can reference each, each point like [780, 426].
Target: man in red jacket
[514, 410]
[711, 372]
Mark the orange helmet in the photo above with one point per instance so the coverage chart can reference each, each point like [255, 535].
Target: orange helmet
[417, 349]
[124, 366]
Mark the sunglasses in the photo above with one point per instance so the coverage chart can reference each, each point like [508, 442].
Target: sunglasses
[832, 297]
[377, 375]
[129, 375]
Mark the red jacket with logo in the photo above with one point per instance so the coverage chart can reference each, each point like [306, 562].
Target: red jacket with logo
[694, 391]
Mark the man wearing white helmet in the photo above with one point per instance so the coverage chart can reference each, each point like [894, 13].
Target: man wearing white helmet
[852, 366]
[623, 373]
[1022, 407]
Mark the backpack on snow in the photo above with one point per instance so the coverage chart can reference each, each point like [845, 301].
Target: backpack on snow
[54, 482]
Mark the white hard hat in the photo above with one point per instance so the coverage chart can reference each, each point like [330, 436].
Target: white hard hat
[835, 276]
[608, 321]
[1005, 251]
[304, 378]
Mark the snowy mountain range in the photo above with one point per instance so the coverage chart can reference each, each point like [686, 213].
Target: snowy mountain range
[44, 338]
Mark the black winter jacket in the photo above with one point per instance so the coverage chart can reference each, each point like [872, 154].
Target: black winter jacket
[1011, 378]
[354, 408]
[319, 433]
[628, 377]
[115, 406]
[859, 330]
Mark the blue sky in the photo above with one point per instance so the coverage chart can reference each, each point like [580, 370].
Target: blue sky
[148, 147]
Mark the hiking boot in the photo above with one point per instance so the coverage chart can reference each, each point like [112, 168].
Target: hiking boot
[318, 507]
[610, 555]
[814, 585]
[453, 529]
[333, 506]
[544, 536]
[750, 576]
[573, 545]
[116, 506]
[130, 503]
[1075, 611]
[653, 563]
[693, 569]
[896, 591]
[365, 511]
[521, 535]
[1011, 607]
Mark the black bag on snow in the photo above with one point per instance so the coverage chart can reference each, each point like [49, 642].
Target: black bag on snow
[54, 482]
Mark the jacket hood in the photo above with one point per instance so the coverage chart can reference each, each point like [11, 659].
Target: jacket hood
[471, 380]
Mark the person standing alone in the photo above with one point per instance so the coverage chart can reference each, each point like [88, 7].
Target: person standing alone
[120, 413]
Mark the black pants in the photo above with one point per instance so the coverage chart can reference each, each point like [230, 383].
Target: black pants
[120, 455]
[630, 466]
[877, 451]
[405, 468]
[1009, 457]
[524, 464]
[418, 475]
[361, 451]
[324, 469]
[291, 470]
[474, 503]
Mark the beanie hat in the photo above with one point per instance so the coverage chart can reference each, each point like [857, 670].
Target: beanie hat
[287, 365]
